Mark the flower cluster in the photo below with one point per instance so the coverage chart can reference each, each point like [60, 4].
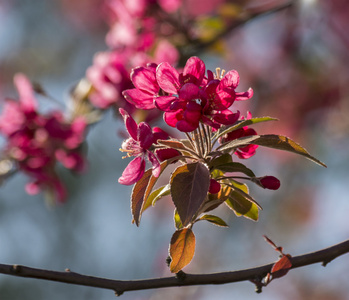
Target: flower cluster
[37, 142]
[133, 40]
[188, 97]
[198, 104]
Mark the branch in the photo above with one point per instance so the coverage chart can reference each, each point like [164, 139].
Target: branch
[181, 279]
[196, 46]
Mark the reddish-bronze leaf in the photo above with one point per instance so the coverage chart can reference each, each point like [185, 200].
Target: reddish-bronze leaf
[281, 267]
[141, 192]
[172, 144]
[137, 196]
[182, 249]
[189, 188]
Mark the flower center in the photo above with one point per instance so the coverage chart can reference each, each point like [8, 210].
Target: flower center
[131, 147]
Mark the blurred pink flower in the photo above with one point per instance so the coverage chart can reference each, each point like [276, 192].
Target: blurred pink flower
[109, 77]
[37, 142]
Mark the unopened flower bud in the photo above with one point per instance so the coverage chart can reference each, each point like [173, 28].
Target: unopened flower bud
[215, 186]
[269, 182]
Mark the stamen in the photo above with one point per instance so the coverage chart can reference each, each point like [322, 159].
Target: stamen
[219, 73]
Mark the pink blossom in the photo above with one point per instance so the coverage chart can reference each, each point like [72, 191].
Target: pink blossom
[109, 77]
[146, 87]
[138, 144]
[165, 51]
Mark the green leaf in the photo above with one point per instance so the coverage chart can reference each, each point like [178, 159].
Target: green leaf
[242, 206]
[284, 143]
[279, 142]
[215, 200]
[240, 142]
[141, 191]
[189, 188]
[177, 220]
[182, 249]
[240, 186]
[214, 220]
[241, 124]
[236, 167]
[223, 159]
[156, 195]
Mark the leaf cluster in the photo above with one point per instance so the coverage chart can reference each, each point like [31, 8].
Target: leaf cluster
[189, 185]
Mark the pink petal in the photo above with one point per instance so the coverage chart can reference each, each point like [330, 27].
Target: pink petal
[26, 93]
[209, 122]
[224, 99]
[145, 135]
[194, 70]
[231, 79]
[171, 118]
[185, 126]
[189, 91]
[246, 152]
[244, 95]
[159, 134]
[144, 79]
[133, 172]
[193, 112]
[164, 154]
[139, 99]
[164, 102]
[130, 123]
[226, 117]
[168, 78]
[156, 164]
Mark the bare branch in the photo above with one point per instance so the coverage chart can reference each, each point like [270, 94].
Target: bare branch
[196, 46]
[181, 279]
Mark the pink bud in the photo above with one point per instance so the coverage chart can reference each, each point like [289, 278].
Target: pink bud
[270, 182]
[215, 186]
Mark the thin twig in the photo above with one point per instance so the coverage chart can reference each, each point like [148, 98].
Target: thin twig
[198, 46]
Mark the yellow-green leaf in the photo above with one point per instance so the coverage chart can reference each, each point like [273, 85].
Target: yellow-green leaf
[284, 143]
[156, 195]
[235, 167]
[279, 142]
[242, 206]
[214, 220]
[177, 220]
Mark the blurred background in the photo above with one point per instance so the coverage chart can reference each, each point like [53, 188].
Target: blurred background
[297, 62]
